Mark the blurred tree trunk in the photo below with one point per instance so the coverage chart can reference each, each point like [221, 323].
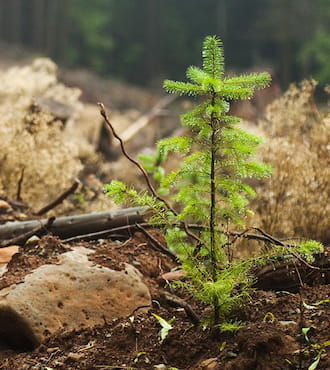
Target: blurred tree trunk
[308, 16]
[15, 17]
[2, 20]
[153, 27]
[221, 14]
[63, 29]
[150, 30]
[286, 33]
[10, 20]
[51, 28]
[38, 24]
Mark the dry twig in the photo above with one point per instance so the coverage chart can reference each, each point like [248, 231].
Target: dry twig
[145, 175]
[157, 245]
[19, 186]
[143, 121]
[179, 302]
[60, 199]
[266, 238]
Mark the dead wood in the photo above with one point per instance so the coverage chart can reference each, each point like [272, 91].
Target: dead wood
[22, 238]
[179, 302]
[145, 175]
[288, 275]
[59, 199]
[19, 186]
[131, 228]
[70, 226]
[156, 244]
[144, 120]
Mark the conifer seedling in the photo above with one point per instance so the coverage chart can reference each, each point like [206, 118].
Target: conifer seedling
[208, 189]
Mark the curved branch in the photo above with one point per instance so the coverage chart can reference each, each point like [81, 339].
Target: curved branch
[145, 175]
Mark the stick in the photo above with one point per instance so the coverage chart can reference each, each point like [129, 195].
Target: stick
[144, 120]
[274, 240]
[100, 234]
[131, 228]
[179, 302]
[19, 186]
[132, 160]
[16, 204]
[59, 200]
[145, 175]
[158, 246]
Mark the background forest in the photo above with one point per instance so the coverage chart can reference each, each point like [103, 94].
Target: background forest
[144, 41]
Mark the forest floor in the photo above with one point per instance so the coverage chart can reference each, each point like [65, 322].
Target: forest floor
[271, 337]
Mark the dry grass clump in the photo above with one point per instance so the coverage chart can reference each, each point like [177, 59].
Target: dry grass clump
[33, 140]
[295, 200]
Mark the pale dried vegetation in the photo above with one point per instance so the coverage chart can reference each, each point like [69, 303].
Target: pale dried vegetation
[294, 201]
[34, 140]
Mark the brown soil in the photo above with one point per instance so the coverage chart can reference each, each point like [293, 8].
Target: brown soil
[270, 339]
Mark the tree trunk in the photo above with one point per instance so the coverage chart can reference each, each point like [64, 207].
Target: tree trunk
[38, 24]
[221, 13]
[63, 29]
[15, 21]
[52, 20]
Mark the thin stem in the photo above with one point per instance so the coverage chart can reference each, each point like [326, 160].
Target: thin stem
[234, 234]
[19, 185]
[156, 243]
[136, 163]
[212, 210]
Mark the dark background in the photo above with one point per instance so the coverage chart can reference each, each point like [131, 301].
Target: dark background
[145, 41]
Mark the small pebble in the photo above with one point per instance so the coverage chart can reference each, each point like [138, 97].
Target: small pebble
[75, 356]
[287, 323]
[32, 241]
[52, 349]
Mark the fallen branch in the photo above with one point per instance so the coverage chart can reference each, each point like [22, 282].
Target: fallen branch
[21, 239]
[179, 302]
[70, 226]
[144, 120]
[59, 200]
[15, 204]
[288, 275]
[132, 228]
[106, 224]
[101, 234]
[158, 246]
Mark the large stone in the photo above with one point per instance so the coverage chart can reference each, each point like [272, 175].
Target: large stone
[71, 295]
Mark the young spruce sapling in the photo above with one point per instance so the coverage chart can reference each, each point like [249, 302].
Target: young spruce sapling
[207, 192]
